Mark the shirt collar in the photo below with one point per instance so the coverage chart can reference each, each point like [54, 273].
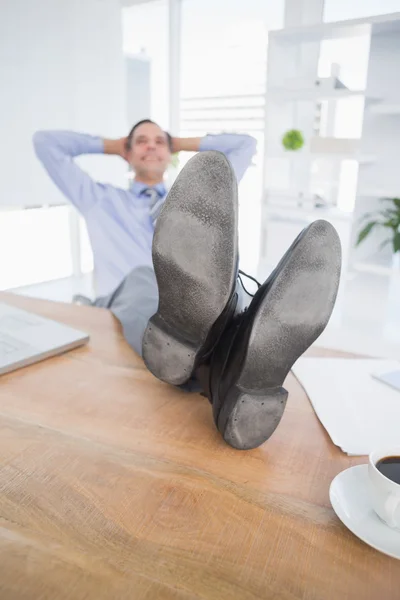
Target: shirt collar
[138, 188]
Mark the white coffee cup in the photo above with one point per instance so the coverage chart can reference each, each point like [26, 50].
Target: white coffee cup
[385, 493]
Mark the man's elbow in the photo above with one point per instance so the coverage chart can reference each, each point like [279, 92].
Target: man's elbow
[45, 144]
[250, 144]
[40, 142]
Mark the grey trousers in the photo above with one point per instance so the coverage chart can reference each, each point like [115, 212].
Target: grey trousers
[136, 300]
[133, 303]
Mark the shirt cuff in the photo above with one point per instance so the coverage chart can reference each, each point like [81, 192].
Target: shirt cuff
[210, 142]
[95, 144]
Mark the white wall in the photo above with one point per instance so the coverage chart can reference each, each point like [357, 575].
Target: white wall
[61, 67]
[137, 88]
[145, 32]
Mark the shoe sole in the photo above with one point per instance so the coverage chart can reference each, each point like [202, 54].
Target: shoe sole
[195, 250]
[289, 318]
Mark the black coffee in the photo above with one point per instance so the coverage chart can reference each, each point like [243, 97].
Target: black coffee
[390, 468]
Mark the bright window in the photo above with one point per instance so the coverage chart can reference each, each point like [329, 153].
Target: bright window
[223, 79]
[34, 246]
[145, 33]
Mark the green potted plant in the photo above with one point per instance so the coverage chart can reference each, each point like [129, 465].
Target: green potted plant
[175, 160]
[388, 218]
[293, 140]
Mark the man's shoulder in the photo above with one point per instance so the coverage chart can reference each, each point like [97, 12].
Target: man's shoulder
[112, 196]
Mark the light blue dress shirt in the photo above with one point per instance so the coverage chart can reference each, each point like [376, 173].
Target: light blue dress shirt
[118, 221]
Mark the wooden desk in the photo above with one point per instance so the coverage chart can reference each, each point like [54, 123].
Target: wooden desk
[116, 486]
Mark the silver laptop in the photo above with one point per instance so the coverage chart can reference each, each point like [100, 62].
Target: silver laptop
[26, 338]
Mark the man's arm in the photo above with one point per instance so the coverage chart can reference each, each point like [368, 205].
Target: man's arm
[239, 149]
[57, 149]
[186, 144]
[117, 147]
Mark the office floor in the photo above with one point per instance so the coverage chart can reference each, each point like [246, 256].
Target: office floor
[366, 318]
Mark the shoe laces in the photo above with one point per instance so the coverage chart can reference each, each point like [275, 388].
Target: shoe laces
[248, 277]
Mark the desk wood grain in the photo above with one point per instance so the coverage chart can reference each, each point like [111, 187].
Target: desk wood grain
[116, 486]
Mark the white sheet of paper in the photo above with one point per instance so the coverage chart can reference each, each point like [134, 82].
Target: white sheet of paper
[359, 412]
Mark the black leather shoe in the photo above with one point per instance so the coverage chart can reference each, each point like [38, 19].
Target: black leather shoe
[290, 310]
[195, 257]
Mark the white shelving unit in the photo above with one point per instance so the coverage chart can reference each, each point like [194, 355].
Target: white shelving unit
[385, 108]
[294, 97]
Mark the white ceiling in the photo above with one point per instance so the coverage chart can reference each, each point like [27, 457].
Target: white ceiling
[132, 2]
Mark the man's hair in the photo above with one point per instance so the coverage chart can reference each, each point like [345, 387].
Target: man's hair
[132, 131]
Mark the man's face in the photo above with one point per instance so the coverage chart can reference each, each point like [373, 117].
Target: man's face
[149, 154]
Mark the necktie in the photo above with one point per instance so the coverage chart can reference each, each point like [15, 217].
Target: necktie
[156, 202]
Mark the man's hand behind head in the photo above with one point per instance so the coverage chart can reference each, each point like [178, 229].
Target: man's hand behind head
[119, 147]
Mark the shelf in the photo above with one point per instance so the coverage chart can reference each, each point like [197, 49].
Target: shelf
[339, 29]
[293, 193]
[335, 149]
[385, 108]
[289, 213]
[333, 145]
[378, 193]
[297, 193]
[288, 95]
[306, 88]
[362, 159]
[372, 268]
[326, 148]
[289, 199]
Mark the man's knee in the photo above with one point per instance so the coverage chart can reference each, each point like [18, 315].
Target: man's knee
[135, 301]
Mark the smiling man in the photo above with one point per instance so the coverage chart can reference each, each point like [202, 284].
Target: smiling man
[171, 277]
[121, 222]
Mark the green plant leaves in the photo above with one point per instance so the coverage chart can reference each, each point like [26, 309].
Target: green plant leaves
[385, 243]
[396, 242]
[293, 140]
[175, 160]
[365, 231]
[396, 201]
[389, 218]
[365, 217]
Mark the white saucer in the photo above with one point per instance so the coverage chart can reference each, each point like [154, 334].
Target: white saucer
[349, 495]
